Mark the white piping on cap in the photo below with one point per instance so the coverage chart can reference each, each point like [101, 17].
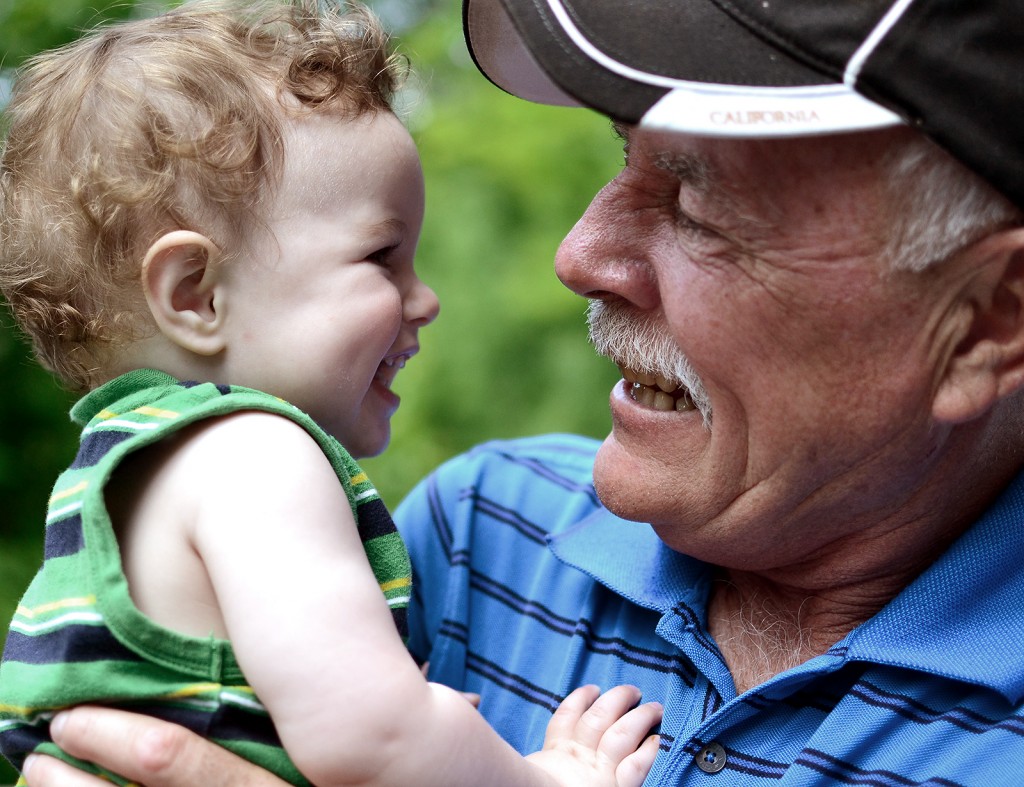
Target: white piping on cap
[741, 110]
[600, 57]
[882, 29]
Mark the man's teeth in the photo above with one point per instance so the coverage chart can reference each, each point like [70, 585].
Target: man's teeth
[657, 392]
[397, 362]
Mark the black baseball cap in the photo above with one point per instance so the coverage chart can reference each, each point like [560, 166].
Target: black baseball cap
[954, 69]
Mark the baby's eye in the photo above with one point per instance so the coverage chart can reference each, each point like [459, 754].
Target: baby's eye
[381, 256]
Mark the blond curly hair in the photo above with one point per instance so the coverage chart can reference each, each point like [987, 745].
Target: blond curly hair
[141, 128]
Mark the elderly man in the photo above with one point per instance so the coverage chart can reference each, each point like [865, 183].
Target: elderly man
[811, 272]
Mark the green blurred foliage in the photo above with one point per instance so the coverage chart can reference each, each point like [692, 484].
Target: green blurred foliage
[29, 26]
[507, 356]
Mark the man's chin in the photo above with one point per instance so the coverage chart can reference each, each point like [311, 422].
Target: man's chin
[641, 489]
[620, 484]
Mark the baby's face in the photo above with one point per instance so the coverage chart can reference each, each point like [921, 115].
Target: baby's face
[326, 311]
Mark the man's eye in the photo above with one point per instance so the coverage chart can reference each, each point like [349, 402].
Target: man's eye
[686, 222]
[697, 231]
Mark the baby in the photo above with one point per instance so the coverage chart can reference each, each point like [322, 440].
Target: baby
[208, 221]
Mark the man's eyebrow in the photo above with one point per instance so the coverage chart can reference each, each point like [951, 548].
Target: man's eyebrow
[689, 168]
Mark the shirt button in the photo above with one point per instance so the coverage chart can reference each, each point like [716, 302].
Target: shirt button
[711, 759]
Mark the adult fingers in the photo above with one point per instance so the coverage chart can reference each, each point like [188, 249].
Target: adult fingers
[42, 771]
[149, 751]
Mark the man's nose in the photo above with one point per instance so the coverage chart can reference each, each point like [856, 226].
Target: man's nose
[605, 256]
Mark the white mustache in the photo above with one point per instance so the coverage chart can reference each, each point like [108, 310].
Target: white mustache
[617, 332]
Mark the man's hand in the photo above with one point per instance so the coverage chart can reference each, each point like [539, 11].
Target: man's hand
[148, 751]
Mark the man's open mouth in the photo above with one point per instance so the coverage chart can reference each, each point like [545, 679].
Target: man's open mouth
[656, 392]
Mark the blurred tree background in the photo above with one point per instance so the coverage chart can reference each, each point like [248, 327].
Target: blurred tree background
[507, 357]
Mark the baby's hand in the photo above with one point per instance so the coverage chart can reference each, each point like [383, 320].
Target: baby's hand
[595, 740]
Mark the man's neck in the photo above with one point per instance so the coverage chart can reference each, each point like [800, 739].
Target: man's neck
[768, 620]
[763, 629]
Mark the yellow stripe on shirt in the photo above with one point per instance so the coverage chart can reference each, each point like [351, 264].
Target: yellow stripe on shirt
[156, 412]
[401, 582]
[64, 603]
[74, 490]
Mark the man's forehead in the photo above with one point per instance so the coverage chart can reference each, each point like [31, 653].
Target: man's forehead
[759, 182]
[714, 163]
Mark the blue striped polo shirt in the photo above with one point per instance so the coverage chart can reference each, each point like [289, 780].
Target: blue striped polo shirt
[525, 587]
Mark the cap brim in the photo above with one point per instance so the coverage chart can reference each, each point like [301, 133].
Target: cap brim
[635, 71]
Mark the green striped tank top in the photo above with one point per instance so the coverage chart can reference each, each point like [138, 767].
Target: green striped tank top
[77, 637]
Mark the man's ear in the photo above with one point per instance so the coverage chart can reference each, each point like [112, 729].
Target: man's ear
[184, 289]
[987, 363]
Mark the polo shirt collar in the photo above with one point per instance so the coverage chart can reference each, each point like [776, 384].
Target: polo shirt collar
[629, 559]
[960, 618]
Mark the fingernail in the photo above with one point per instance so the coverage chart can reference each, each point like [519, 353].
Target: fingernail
[57, 724]
[27, 765]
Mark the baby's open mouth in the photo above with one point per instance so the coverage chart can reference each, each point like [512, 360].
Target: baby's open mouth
[656, 392]
[389, 368]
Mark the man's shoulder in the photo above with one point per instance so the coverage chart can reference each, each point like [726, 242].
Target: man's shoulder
[569, 455]
[536, 486]
[533, 476]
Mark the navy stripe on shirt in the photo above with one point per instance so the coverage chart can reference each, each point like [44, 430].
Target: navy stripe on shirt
[67, 644]
[63, 537]
[506, 516]
[847, 773]
[96, 445]
[919, 712]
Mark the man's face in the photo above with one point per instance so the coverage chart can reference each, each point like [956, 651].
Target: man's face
[764, 265]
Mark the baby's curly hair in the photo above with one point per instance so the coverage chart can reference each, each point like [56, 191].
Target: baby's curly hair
[142, 128]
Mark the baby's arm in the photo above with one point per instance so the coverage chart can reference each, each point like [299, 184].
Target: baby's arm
[313, 633]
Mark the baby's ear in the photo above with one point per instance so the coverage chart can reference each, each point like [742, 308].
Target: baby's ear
[184, 289]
